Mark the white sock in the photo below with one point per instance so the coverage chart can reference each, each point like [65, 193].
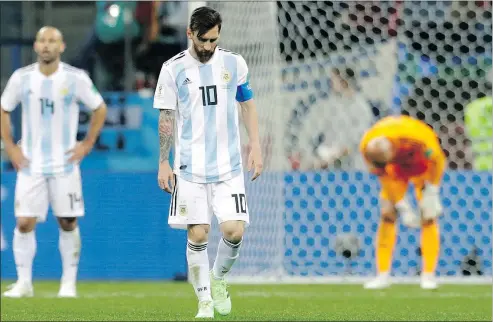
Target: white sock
[198, 269]
[70, 245]
[227, 253]
[24, 246]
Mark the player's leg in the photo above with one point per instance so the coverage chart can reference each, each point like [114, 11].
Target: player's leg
[69, 244]
[191, 199]
[229, 247]
[430, 242]
[393, 193]
[227, 253]
[65, 192]
[198, 268]
[230, 206]
[31, 205]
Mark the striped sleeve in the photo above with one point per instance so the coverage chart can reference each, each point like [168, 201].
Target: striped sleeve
[11, 95]
[165, 96]
[87, 93]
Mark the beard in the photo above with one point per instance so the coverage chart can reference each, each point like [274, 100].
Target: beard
[47, 59]
[203, 55]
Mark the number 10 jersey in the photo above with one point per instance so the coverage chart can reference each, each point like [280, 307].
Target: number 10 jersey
[205, 97]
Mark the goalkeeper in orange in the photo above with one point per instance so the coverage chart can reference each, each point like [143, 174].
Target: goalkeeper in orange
[401, 150]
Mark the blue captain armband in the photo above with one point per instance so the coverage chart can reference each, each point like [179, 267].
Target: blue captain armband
[244, 92]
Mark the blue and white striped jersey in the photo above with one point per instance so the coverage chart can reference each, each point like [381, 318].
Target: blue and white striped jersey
[207, 139]
[50, 113]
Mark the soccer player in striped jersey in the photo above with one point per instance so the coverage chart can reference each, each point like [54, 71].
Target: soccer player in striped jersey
[201, 87]
[47, 158]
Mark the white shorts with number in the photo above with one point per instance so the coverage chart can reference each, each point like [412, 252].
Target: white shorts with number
[35, 193]
[195, 203]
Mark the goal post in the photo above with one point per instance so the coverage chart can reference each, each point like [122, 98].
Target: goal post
[323, 72]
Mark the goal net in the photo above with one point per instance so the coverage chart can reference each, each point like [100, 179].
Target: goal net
[323, 72]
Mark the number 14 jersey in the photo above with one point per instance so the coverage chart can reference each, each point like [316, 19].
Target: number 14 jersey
[50, 113]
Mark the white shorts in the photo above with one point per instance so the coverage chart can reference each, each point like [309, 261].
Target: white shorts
[35, 193]
[195, 203]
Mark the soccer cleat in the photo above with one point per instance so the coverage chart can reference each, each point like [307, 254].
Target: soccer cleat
[380, 282]
[19, 289]
[428, 282]
[220, 295]
[67, 290]
[206, 310]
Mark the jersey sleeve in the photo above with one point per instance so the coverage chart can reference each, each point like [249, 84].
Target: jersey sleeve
[244, 90]
[87, 93]
[166, 94]
[242, 71]
[11, 95]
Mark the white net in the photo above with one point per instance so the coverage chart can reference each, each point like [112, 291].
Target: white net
[242, 25]
[323, 74]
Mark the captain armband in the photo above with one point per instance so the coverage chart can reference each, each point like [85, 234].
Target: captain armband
[244, 92]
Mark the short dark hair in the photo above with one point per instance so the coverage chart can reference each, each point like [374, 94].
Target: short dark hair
[204, 19]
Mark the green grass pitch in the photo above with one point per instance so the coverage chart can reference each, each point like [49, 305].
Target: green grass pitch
[160, 301]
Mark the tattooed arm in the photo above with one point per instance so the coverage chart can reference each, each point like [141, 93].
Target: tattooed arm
[166, 101]
[166, 133]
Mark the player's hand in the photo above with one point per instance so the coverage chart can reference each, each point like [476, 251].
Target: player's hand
[430, 204]
[255, 161]
[409, 217]
[80, 150]
[165, 177]
[16, 157]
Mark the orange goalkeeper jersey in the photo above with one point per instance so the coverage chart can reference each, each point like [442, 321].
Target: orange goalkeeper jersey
[417, 147]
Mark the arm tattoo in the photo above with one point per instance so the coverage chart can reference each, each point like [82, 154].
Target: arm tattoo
[166, 133]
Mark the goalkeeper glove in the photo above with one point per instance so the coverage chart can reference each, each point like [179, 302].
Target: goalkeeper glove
[430, 204]
[406, 212]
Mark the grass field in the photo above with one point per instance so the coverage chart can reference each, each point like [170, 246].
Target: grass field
[176, 301]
